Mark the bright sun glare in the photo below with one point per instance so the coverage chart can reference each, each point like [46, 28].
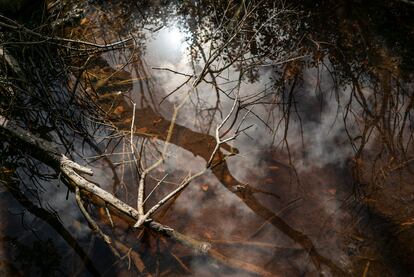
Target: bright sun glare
[175, 38]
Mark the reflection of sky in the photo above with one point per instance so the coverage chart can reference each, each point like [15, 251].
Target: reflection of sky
[165, 49]
[167, 45]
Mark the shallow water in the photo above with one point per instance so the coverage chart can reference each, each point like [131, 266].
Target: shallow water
[301, 192]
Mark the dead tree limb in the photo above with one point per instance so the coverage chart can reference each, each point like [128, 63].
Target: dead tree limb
[46, 152]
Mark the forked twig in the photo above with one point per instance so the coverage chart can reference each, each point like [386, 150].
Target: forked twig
[219, 141]
[146, 171]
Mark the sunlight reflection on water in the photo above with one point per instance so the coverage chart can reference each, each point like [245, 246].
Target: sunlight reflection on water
[166, 45]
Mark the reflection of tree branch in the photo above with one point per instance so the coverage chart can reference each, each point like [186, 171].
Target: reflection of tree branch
[202, 145]
[53, 221]
[93, 225]
[245, 194]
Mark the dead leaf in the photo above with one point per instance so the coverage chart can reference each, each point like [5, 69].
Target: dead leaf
[155, 122]
[119, 110]
[204, 187]
[332, 191]
[208, 236]
[127, 121]
[84, 21]
[76, 224]
[142, 130]
[409, 222]
[101, 83]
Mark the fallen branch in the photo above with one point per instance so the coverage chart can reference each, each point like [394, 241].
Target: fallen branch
[219, 141]
[46, 152]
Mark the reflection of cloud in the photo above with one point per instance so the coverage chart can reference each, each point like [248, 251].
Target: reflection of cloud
[326, 148]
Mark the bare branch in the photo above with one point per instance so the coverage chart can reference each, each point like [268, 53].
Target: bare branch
[94, 226]
[102, 198]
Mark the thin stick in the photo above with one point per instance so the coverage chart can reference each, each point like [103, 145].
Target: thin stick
[156, 186]
[141, 184]
[94, 226]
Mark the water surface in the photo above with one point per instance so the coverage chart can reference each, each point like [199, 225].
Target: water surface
[309, 188]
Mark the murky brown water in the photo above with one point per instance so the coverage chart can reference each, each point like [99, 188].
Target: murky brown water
[319, 184]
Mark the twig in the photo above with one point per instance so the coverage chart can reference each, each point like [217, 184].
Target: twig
[187, 181]
[407, 2]
[219, 141]
[108, 214]
[132, 255]
[141, 184]
[65, 162]
[156, 186]
[94, 226]
[166, 198]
